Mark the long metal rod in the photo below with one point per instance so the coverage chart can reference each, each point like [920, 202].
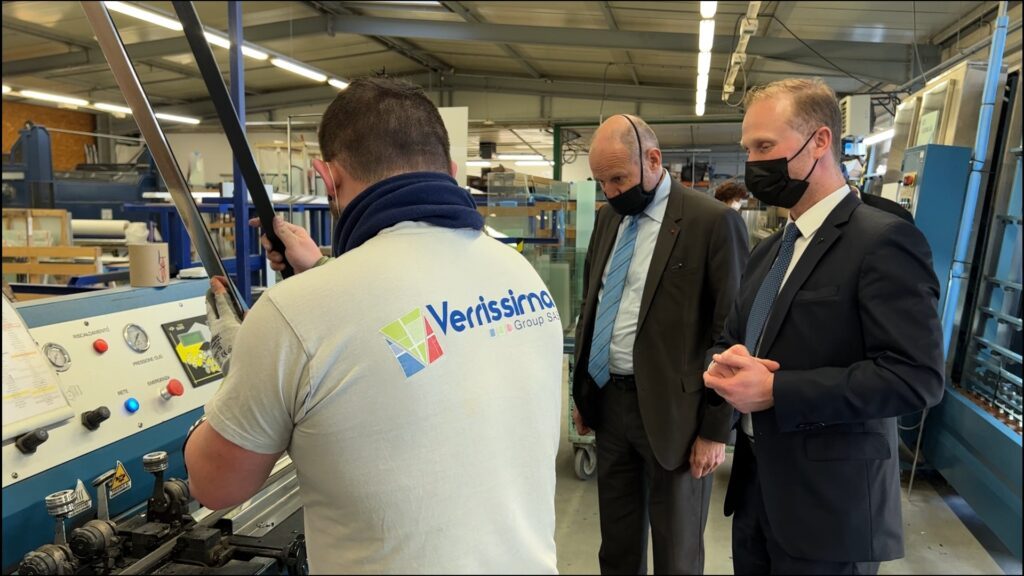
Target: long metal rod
[229, 120]
[113, 49]
[96, 134]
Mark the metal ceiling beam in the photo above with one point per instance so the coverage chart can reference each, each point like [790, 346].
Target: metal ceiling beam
[868, 53]
[165, 47]
[566, 88]
[468, 15]
[398, 45]
[621, 55]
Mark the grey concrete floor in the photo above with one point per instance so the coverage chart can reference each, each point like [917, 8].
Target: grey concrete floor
[937, 542]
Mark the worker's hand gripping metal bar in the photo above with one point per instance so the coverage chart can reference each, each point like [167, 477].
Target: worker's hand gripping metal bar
[229, 120]
[113, 49]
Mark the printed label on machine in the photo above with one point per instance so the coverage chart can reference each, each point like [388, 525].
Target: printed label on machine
[122, 482]
[191, 341]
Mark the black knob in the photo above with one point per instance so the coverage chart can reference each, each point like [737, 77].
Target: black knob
[93, 418]
[28, 443]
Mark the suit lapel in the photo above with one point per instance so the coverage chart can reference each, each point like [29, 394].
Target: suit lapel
[823, 239]
[667, 236]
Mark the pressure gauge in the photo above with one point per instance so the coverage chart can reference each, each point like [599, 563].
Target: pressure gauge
[57, 356]
[136, 338]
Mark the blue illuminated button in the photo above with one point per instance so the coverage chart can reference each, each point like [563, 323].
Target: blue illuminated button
[131, 405]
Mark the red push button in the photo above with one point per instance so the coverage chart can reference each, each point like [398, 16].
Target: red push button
[100, 345]
[174, 388]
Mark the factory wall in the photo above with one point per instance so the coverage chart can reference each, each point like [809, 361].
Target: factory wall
[68, 149]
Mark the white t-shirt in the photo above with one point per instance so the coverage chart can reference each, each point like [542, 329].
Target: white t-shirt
[416, 383]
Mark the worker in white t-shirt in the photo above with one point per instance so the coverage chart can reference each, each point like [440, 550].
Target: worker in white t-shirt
[414, 379]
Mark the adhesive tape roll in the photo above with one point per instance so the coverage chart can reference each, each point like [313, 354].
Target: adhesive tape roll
[148, 265]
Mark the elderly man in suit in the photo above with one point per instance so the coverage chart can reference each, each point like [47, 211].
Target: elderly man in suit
[662, 269]
[834, 335]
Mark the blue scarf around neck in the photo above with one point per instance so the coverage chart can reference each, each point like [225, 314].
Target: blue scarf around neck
[429, 197]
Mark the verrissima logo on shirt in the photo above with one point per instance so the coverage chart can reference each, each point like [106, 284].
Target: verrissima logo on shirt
[413, 340]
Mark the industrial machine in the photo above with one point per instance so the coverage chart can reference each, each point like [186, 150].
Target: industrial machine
[93, 471]
[90, 191]
[935, 178]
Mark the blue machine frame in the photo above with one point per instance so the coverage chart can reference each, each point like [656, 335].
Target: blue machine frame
[75, 192]
[26, 522]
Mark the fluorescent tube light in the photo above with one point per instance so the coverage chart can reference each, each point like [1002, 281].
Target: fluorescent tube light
[217, 40]
[339, 84]
[479, 163]
[702, 83]
[704, 63]
[54, 98]
[534, 163]
[702, 97]
[297, 69]
[254, 53]
[143, 14]
[700, 108]
[707, 9]
[707, 35]
[880, 137]
[520, 157]
[175, 118]
[112, 108]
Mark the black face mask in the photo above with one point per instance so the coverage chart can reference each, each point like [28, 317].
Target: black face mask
[769, 181]
[633, 201]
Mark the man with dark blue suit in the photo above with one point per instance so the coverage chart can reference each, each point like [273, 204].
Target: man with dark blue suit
[834, 335]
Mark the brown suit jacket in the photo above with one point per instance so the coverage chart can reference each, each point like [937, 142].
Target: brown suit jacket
[694, 276]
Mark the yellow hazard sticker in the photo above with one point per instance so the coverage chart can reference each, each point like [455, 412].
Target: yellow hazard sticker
[122, 482]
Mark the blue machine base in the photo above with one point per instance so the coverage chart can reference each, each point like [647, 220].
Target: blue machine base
[980, 457]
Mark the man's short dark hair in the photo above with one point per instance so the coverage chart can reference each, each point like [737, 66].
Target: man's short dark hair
[381, 127]
[730, 191]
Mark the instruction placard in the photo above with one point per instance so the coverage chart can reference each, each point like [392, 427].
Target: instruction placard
[191, 341]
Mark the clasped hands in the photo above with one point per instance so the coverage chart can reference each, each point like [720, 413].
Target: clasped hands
[742, 380]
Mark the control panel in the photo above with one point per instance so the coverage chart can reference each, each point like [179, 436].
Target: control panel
[123, 371]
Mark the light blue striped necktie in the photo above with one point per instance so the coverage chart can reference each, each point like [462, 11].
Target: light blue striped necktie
[607, 309]
[762, 306]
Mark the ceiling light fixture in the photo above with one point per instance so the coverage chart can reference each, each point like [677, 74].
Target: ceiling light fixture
[112, 108]
[339, 84]
[254, 53]
[702, 83]
[176, 118]
[478, 163]
[707, 9]
[6, 88]
[217, 40]
[707, 35]
[704, 63]
[54, 98]
[297, 69]
[702, 97]
[534, 163]
[700, 109]
[143, 14]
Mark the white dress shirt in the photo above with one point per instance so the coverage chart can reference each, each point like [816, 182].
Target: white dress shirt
[620, 356]
[809, 222]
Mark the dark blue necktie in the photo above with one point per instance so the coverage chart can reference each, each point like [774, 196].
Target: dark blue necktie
[769, 289]
[607, 309]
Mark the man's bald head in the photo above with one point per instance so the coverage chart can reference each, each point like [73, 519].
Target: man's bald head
[618, 129]
[615, 157]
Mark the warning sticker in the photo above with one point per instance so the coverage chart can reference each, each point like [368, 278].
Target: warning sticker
[122, 482]
[83, 501]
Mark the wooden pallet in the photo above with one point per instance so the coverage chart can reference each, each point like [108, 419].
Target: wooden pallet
[38, 261]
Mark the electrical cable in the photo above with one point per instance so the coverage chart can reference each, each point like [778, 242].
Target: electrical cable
[819, 54]
[604, 92]
[917, 54]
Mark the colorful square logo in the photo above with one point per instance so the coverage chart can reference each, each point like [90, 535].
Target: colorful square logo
[413, 342]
